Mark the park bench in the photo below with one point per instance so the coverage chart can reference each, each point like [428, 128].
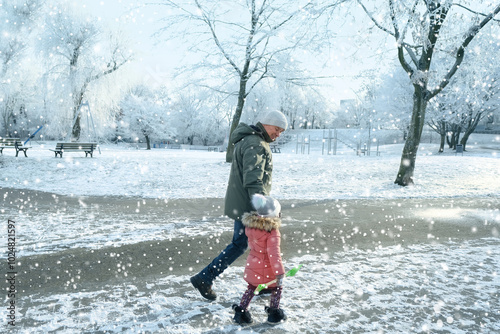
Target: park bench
[14, 143]
[275, 149]
[88, 148]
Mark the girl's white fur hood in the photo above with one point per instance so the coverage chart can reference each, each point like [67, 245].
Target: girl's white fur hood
[253, 220]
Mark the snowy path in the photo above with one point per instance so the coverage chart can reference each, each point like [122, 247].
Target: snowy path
[452, 287]
[112, 265]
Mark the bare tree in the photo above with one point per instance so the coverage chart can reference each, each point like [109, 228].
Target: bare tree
[473, 96]
[17, 19]
[144, 112]
[248, 36]
[418, 28]
[82, 53]
[438, 123]
[186, 110]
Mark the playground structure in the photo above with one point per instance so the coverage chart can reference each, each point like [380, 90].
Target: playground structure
[333, 142]
[33, 135]
[360, 142]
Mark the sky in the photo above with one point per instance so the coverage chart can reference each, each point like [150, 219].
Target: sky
[156, 62]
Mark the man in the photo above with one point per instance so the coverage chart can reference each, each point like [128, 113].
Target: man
[251, 172]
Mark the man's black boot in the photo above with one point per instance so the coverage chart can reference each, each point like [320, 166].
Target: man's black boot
[204, 289]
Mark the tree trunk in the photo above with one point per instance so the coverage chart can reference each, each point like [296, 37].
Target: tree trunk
[76, 130]
[464, 140]
[442, 134]
[452, 139]
[409, 156]
[234, 124]
[471, 127]
[456, 137]
[441, 144]
[148, 142]
[456, 140]
[239, 109]
[466, 135]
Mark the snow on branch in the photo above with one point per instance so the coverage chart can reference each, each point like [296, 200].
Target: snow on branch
[374, 20]
[459, 56]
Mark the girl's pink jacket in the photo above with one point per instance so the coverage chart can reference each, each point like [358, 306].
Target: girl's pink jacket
[264, 261]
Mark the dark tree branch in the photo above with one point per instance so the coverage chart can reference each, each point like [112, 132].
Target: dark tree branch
[459, 57]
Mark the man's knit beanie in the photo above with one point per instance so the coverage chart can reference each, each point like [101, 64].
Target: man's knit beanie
[275, 118]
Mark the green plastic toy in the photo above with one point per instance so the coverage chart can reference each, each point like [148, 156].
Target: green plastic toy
[290, 273]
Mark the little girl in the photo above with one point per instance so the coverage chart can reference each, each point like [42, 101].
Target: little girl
[264, 262]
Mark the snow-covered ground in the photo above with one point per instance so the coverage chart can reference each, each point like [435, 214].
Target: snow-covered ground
[377, 258]
[164, 173]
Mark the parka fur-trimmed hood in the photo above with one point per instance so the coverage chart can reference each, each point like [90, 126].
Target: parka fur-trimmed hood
[253, 220]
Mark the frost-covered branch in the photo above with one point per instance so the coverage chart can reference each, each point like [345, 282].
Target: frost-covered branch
[459, 56]
[397, 36]
[372, 18]
[216, 38]
[473, 11]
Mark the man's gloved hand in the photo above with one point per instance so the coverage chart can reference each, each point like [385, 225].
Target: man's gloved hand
[279, 280]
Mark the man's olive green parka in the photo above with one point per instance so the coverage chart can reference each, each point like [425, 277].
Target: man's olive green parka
[251, 168]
